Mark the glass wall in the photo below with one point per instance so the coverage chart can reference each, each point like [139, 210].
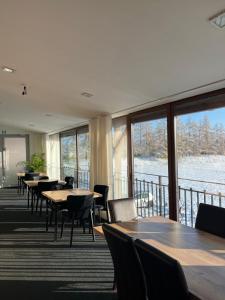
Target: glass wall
[75, 160]
[200, 147]
[68, 154]
[150, 166]
[83, 157]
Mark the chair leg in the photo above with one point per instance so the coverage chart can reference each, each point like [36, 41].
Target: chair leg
[71, 232]
[107, 213]
[40, 213]
[114, 284]
[99, 215]
[46, 217]
[37, 203]
[83, 225]
[92, 225]
[51, 216]
[62, 226]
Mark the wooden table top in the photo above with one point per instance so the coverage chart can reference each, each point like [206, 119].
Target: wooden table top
[33, 183]
[61, 195]
[22, 174]
[201, 255]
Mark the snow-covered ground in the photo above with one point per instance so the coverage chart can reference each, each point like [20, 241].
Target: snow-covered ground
[210, 168]
[201, 179]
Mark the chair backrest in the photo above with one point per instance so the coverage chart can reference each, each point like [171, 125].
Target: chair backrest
[164, 276]
[211, 219]
[30, 176]
[129, 276]
[80, 206]
[43, 177]
[102, 189]
[47, 185]
[122, 210]
[69, 182]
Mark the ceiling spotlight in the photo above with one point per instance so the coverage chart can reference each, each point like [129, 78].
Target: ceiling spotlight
[8, 70]
[24, 92]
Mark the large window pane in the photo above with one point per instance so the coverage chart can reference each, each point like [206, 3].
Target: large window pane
[68, 155]
[150, 167]
[201, 161]
[83, 159]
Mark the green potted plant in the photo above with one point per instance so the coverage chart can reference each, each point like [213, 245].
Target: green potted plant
[35, 164]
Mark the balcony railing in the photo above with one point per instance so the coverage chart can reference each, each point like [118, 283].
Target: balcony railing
[81, 177]
[151, 193]
[152, 197]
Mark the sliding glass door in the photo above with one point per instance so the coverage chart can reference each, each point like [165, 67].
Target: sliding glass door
[68, 154]
[74, 145]
[150, 166]
[83, 157]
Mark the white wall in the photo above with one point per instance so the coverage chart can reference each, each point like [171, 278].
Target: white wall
[36, 140]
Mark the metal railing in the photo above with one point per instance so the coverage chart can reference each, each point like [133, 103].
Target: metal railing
[152, 196]
[81, 177]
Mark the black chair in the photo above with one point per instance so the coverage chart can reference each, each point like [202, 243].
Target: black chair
[101, 203]
[128, 273]
[69, 182]
[43, 177]
[43, 187]
[164, 276]
[78, 208]
[211, 219]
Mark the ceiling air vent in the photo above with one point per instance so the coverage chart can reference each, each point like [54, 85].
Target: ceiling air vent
[218, 20]
[87, 95]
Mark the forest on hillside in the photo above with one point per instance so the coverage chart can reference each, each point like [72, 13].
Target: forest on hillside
[194, 138]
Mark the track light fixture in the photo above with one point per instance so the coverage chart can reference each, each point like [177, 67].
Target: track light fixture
[24, 92]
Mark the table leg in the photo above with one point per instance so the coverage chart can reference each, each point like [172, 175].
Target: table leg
[56, 223]
[93, 212]
[28, 197]
[32, 202]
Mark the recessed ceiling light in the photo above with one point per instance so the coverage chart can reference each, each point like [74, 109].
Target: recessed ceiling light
[86, 94]
[8, 70]
[218, 20]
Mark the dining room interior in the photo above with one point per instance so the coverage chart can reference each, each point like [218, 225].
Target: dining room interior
[112, 149]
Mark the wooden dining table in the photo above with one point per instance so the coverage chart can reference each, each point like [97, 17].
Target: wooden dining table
[57, 197]
[31, 184]
[201, 255]
[20, 176]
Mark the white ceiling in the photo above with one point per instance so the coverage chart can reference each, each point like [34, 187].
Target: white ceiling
[124, 52]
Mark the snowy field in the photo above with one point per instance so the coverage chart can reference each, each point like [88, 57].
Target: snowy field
[210, 168]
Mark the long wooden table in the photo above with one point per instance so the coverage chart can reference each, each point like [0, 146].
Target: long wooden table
[201, 255]
[59, 196]
[31, 184]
